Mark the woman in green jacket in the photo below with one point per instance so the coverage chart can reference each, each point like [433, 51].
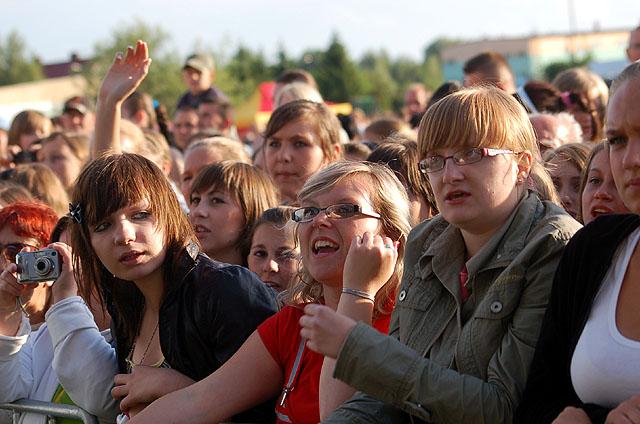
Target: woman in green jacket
[477, 279]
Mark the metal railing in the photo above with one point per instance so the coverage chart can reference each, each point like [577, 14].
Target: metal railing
[51, 410]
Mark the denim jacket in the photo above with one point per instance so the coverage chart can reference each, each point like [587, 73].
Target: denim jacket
[453, 362]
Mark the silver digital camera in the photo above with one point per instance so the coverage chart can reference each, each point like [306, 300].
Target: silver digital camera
[41, 265]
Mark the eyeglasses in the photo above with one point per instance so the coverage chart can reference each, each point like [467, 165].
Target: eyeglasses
[10, 250]
[340, 211]
[463, 157]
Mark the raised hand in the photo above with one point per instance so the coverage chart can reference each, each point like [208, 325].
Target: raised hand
[370, 262]
[125, 74]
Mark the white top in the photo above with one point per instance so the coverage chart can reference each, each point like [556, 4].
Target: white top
[605, 368]
[31, 361]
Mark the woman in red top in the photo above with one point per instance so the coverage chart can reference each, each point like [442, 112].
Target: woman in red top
[352, 227]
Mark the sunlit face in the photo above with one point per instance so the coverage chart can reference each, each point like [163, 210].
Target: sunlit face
[274, 255]
[130, 244]
[57, 155]
[292, 155]
[584, 119]
[415, 101]
[197, 80]
[600, 196]
[633, 51]
[566, 178]
[478, 197]
[218, 221]
[623, 133]
[209, 117]
[324, 242]
[194, 161]
[185, 124]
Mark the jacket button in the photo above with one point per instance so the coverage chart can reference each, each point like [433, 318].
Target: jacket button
[496, 307]
[402, 295]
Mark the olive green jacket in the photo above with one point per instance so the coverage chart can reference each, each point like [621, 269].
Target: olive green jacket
[448, 362]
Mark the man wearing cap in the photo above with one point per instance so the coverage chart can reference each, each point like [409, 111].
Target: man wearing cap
[76, 115]
[198, 74]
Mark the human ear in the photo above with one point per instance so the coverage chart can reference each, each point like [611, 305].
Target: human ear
[525, 162]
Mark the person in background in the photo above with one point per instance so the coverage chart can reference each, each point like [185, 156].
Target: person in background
[356, 151]
[301, 138]
[585, 95]
[65, 154]
[216, 115]
[380, 129]
[489, 68]
[599, 195]
[541, 97]
[586, 367]
[77, 115]
[401, 155]
[566, 165]
[274, 253]
[415, 100]
[198, 74]
[443, 91]
[206, 152]
[555, 129]
[138, 108]
[293, 75]
[185, 124]
[226, 199]
[43, 184]
[296, 91]
[27, 129]
[633, 48]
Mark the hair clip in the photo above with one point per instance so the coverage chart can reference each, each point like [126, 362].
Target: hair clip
[75, 211]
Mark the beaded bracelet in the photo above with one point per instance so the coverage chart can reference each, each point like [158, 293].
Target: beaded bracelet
[359, 293]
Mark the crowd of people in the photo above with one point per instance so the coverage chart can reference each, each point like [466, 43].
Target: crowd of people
[472, 260]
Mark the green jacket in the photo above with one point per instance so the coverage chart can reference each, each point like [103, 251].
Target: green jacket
[446, 362]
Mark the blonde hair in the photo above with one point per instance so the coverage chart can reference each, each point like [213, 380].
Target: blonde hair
[388, 198]
[297, 91]
[77, 142]
[44, 185]
[27, 122]
[228, 148]
[484, 117]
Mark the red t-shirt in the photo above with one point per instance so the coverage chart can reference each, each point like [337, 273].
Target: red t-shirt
[280, 334]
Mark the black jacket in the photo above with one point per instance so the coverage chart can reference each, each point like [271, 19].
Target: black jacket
[206, 317]
[585, 262]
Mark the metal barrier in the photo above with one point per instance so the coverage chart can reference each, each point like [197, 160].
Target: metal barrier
[51, 410]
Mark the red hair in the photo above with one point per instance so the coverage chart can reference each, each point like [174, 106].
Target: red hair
[28, 219]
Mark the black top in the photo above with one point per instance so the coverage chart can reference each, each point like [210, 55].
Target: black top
[206, 317]
[193, 101]
[584, 264]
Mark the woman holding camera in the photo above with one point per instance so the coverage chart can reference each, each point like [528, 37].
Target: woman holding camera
[26, 350]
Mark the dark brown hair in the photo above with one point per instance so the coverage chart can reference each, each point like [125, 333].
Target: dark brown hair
[110, 183]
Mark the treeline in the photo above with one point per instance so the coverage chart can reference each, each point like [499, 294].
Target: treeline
[375, 82]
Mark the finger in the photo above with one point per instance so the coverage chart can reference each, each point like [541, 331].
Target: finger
[121, 379]
[313, 346]
[118, 58]
[130, 54]
[312, 309]
[118, 392]
[305, 321]
[305, 333]
[64, 250]
[367, 239]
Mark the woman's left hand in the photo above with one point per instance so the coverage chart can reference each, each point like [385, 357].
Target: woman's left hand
[146, 384]
[370, 262]
[325, 329]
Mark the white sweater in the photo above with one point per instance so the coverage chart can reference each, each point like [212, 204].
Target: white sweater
[69, 349]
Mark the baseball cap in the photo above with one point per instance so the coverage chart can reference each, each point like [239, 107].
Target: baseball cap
[199, 62]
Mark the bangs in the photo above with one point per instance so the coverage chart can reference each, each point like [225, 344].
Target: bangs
[477, 117]
[116, 181]
[217, 177]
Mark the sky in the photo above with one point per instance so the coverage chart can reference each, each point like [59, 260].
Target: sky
[54, 29]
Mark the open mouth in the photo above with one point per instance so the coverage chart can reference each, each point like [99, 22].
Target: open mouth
[456, 195]
[324, 246]
[130, 256]
[199, 229]
[600, 210]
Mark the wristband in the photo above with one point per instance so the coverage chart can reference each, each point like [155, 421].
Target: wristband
[359, 293]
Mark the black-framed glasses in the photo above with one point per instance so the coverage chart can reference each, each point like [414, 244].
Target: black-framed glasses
[340, 211]
[10, 250]
[463, 157]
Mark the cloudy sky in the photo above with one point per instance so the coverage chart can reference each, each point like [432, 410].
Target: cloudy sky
[53, 29]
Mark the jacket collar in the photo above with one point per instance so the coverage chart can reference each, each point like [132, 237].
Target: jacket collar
[447, 251]
[188, 258]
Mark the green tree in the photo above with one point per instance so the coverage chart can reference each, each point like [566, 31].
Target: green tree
[241, 75]
[337, 75]
[164, 81]
[377, 80]
[16, 64]
[553, 69]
